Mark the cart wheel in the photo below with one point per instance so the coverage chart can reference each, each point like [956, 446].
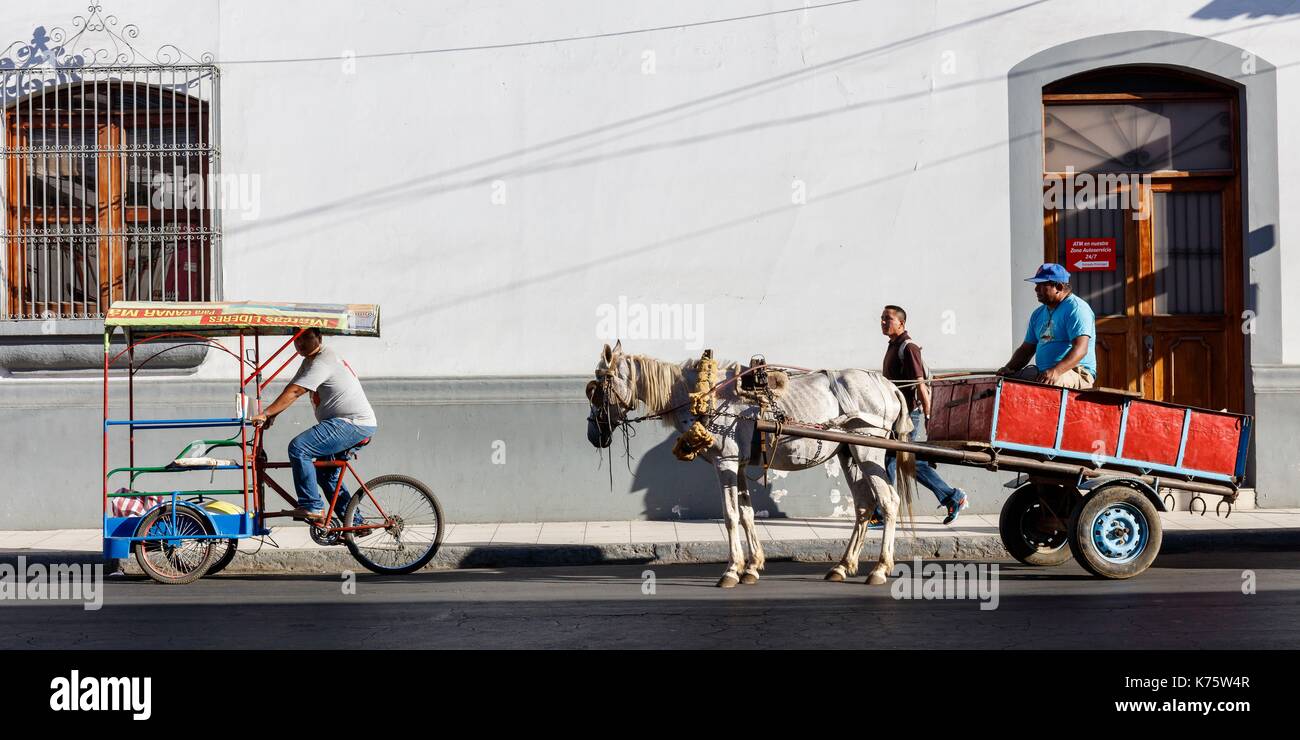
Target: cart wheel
[1116, 532]
[224, 557]
[176, 561]
[413, 538]
[1034, 523]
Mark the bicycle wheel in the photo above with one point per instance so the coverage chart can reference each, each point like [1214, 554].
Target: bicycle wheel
[412, 538]
[224, 556]
[177, 561]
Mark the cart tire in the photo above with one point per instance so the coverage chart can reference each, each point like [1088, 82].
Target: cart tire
[1027, 516]
[225, 557]
[1116, 532]
[421, 522]
[185, 562]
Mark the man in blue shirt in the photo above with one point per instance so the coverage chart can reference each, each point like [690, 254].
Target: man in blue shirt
[1059, 337]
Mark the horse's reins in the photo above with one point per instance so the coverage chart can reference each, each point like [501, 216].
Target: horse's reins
[723, 384]
[714, 389]
[627, 422]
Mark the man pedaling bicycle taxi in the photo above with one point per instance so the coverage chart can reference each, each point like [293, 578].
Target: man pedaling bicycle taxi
[344, 420]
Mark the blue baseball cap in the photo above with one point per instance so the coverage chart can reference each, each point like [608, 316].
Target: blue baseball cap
[1050, 272]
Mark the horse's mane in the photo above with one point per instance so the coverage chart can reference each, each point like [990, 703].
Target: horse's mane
[659, 385]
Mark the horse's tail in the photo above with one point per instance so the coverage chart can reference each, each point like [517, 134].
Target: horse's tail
[906, 462]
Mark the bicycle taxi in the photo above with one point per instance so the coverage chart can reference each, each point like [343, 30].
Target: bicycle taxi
[394, 523]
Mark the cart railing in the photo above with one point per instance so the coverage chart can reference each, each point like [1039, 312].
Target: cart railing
[991, 459]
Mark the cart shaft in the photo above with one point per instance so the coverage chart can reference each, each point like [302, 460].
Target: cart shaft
[988, 459]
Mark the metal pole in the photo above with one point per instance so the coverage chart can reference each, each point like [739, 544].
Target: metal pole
[243, 428]
[258, 456]
[130, 389]
[107, 335]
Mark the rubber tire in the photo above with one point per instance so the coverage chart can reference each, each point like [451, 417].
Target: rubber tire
[147, 523]
[1085, 551]
[219, 564]
[358, 496]
[1009, 525]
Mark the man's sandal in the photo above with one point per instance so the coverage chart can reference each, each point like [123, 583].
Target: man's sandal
[311, 517]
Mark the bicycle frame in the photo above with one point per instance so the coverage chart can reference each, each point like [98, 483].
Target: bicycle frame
[263, 480]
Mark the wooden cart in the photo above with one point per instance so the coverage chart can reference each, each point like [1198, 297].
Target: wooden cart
[1097, 465]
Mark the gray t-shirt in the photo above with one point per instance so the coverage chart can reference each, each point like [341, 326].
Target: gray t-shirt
[335, 391]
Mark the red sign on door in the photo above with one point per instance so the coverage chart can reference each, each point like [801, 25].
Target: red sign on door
[1090, 255]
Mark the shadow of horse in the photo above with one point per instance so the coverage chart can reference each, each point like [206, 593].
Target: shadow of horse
[673, 489]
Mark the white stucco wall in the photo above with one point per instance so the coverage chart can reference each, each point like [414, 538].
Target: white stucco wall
[377, 184]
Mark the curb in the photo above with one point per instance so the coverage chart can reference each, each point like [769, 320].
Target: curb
[452, 557]
[449, 557]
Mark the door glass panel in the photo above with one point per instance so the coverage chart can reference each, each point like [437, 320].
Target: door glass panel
[1138, 137]
[1103, 290]
[1187, 238]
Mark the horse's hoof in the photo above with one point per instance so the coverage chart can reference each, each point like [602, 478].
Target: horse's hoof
[748, 579]
[835, 576]
[876, 579]
[728, 581]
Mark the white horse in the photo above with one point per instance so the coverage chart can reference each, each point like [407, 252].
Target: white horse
[876, 406]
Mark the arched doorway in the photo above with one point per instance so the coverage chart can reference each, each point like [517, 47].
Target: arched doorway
[1142, 203]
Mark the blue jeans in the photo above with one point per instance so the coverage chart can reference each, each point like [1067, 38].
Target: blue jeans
[925, 475]
[328, 440]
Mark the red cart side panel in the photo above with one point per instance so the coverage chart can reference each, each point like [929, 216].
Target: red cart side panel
[937, 427]
[961, 411]
[982, 406]
[1028, 414]
[1212, 441]
[1153, 433]
[1092, 423]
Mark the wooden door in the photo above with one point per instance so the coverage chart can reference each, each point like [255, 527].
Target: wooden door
[1169, 313]
[1190, 300]
[1169, 304]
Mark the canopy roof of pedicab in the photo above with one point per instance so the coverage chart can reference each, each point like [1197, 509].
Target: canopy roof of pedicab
[228, 318]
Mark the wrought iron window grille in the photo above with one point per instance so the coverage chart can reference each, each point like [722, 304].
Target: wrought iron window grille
[110, 162]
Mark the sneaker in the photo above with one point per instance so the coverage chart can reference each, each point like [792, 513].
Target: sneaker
[359, 533]
[956, 507]
[876, 521]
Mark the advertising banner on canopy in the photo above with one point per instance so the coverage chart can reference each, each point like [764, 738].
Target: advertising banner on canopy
[232, 317]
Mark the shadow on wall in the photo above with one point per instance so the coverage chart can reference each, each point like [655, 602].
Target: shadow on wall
[1258, 242]
[678, 490]
[1228, 9]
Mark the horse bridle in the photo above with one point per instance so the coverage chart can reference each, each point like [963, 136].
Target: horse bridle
[600, 411]
[603, 397]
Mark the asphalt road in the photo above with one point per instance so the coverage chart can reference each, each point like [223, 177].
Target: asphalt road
[1187, 601]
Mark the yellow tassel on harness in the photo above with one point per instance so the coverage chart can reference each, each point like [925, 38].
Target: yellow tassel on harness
[702, 398]
[697, 439]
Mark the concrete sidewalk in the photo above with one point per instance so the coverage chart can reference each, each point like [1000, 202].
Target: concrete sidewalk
[973, 536]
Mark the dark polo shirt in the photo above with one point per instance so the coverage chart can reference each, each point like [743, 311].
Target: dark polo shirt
[909, 368]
